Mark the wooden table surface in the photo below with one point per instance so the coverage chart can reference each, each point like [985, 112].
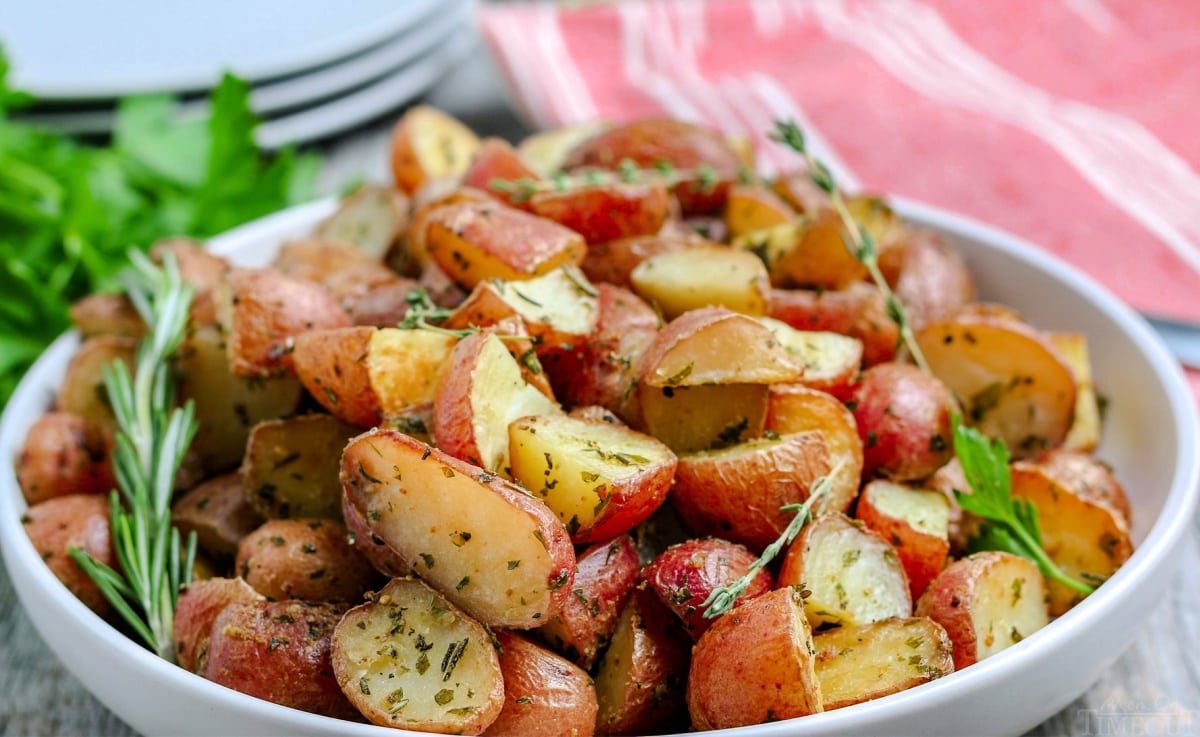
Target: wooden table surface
[1152, 689]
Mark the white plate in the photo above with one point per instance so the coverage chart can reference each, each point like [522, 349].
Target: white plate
[293, 92]
[1151, 438]
[89, 49]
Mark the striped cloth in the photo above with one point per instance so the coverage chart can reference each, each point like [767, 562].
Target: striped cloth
[1072, 123]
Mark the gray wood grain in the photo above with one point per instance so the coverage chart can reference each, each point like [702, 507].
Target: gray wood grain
[1152, 690]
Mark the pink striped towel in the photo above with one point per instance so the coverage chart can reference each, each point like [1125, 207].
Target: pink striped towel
[1073, 123]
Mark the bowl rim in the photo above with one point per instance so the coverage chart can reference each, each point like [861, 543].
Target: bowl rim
[1154, 550]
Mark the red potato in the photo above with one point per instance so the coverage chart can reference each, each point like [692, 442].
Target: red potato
[852, 575]
[373, 219]
[817, 255]
[754, 207]
[903, 417]
[262, 311]
[704, 275]
[197, 266]
[608, 211]
[601, 480]
[485, 544]
[797, 409]
[107, 314]
[544, 694]
[82, 392]
[932, 282]
[865, 662]
[797, 189]
[685, 146]
[696, 418]
[373, 548]
[479, 394]
[604, 579]
[755, 664]
[858, 311]
[738, 492]
[414, 257]
[915, 521]
[290, 468]
[384, 653]
[547, 150]
[830, 362]
[612, 262]
[1084, 434]
[428, 144]
[64, 454]
[640, 680]
[73, 521]
[218, 511]
[473, 241]
[1013, 383]
[369, 291]
[197, 609]
[496, 168]
[306, 559]
[279, 651]
[1087, 478]
[986, 603]
[684, 575]
[715, 345]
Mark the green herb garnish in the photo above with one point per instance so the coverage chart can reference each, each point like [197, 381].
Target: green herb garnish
[1012, 524]
[152, 439]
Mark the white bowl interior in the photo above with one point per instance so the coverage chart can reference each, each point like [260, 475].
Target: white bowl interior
[1150, 438]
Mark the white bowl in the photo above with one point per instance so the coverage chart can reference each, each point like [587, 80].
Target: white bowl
[1150, 437]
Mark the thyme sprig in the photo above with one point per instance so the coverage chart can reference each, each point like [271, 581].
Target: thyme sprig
[722, 599]
[152, 437]
[627, 172]
[421, 310]
[858, 239]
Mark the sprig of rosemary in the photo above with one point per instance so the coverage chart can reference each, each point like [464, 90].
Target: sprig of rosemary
[722, 599]
[858, 239]
[1012, 524]
[152, 439]
[627, 172]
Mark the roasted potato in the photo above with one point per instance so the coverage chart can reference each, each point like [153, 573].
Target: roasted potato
[858, 311]
[679, 280]
[73, 521]
[932, 282]
[64, 454]
[82, 392]
[1084, 434]
[547, 150]
[428, 144]
[857, 663]
[496, 169]
[903, 418]
[754, 207]
[544, 694]
[916, 522]
[797, 409]
[107, 314]
[1087, 478]
[290, 469]
[306, 559]
[219, 512]
[613, 262]
[373, 219]
[197, 609]
[384, 652]
[606, 212]
[829, 362]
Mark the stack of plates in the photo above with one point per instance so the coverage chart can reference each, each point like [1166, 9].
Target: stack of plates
[316, 68]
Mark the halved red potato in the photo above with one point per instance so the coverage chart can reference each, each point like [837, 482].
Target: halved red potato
[932, 282]
[290, 468]
[484, 543]
[197, 608]
[986, 603]
[497, 169]
[685, 146]
[605, 212]
[545, 695]
[857, 663]
[373, 218]
[409, 658]
[1013, 384]
[342, 267]
[829, 362]
[227, 405]
[903, 417]
[429, 144]
[858, 311]
[852, 574]
[1084, 434]
[218, 511]
[547, 150]
[279, 651]
[738, 492]
[473, 241]
[604, 579]
[684, 279]
[64, 454]
[73, 521]
[306, 559]
[696, 418]
[372, 546]
[601, 480]
[753, 207]
[715, 345]
[82, 392]
[262, 311]
[613, 262]
[414, 256]
[107, 314]
[1085, 535]
[754, 665]
[683, 577]
[916, 522]
[480, 392]
[1087, 478]
[640, 682]
[817, 256]
[797, 409]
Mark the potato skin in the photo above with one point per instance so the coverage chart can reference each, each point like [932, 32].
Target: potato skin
[684, 575]
[858, 311]
[332, 365]
[219, 513]
[545, 695]
[903, 417]
[922, 553]
[606, 212]
[933, 282]
[306, 559]
[755, 664]
[794, 408]
[196, 610]
[1087, 477]
[107, 314]
[64, 454]
[373, 548]
[612, 262]
[82, 391]
[279, 651]
[73, 521]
